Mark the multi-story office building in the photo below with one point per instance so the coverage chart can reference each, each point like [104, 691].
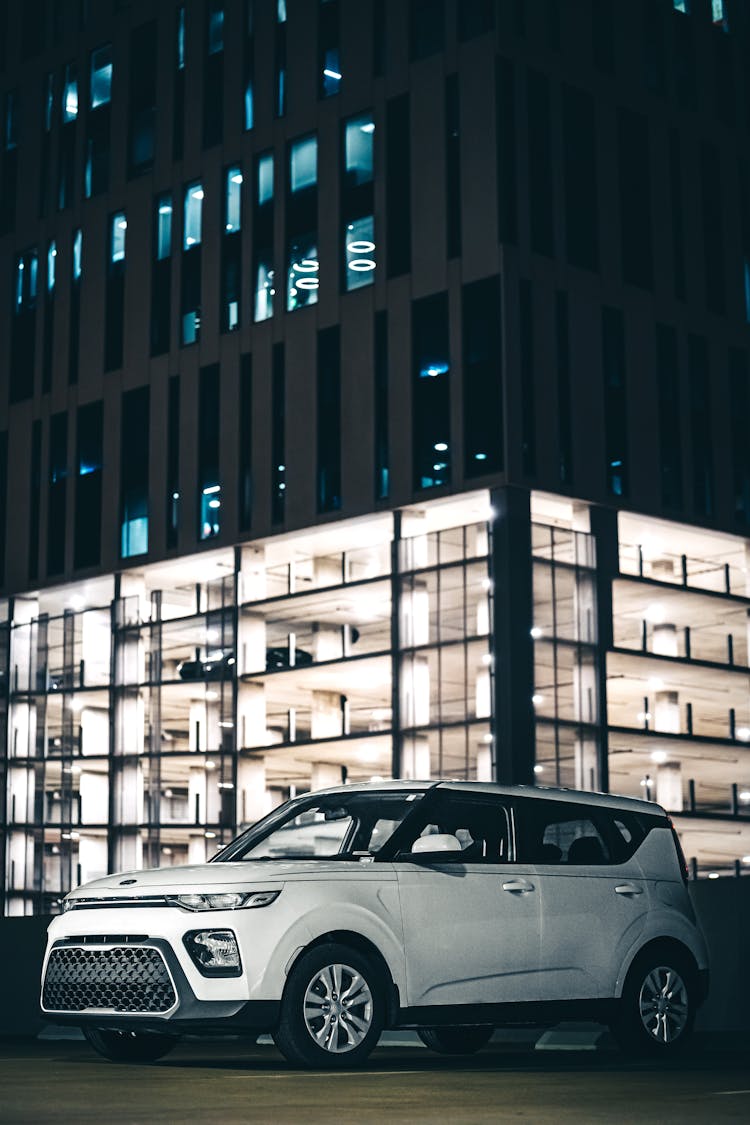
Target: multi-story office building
[374, 401]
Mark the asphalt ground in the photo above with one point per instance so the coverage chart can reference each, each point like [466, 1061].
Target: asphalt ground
[229, 1081]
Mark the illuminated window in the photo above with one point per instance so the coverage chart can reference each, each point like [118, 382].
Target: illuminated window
[193, 215]
[163, 227]
[232, 208]
[118, 230]
[431, 442]
[209, 523]
[357, 202]
[70, 94]
[329, 54]
[51, 264]
[302, 235]
[77, 255]
[100, 88]
[161, 275]
[681, 5]
[231, 258]
[719, 14]
[263, 221]
[134, 466]
[215, 27]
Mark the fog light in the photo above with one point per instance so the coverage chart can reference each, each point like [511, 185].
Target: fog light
[215, 952]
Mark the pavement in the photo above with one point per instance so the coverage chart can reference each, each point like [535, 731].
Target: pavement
[228, 1081]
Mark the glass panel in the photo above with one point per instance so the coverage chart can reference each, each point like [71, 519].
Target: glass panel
[303, 164]
[358, 147]
[233, 199]
[117, 239]
[101, 76]
[164, 227]
[193, 215]
[70, 94]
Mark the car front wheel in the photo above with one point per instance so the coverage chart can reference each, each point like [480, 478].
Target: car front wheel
[658, 1005]
[455, 1040]
[333, 1008]
[129, 1046]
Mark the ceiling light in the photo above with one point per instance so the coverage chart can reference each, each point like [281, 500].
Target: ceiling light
[713, 874]
[655, 613]
[210, 835]
[237, 178]
[76, 705]
[210, 765]
[211, 696]
[538, 769]
[197, 193]
[743, 733]
[368, 128]
[536, 632]
[536, 699]
[659, 756]
[746, 859]
[655, 684]
[211, 488]
[166, 851]
[745, 795]
[361, 246]
[441, 446]
[643, 716]
[76, 602]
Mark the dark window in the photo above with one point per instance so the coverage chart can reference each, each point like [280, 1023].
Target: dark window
[209, 441]
[178, 118]
[25, 282]
[505, 124]
[426, 28]
[713, 228]
[557, 833]
[142, 101]
[398, 186]
[474, 18]
[452, 166]
[248, 70]
[686, 71]
[329, 421]
[725, 86]
[739, 400]
[280, 69]
[88, 521]
[670, 442]
[528, 395]
[654, 48]
[675, 209]
[134, 462]
[635, 198]
[482, 378]
[67, 138]
[379, 39]
[382, 457]
[431, 443]
[552, 23]
[603, 35]
[173, 461]
[329, 51]
[615, 401]
[9, 163]
[564, 419]
[541, 201]
[35, 494]
[278, 435]
[700, 426]
[57, 481]
[74, 318]
[49, 317]
[580, 177]
[213, 74]
[245, 444]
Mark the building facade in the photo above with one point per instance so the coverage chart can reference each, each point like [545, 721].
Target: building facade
[373, 402]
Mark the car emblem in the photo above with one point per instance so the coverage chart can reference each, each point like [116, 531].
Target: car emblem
[127, 882]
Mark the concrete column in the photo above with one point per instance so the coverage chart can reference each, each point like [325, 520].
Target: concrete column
[327, 642]
[664, 639]
[197, 849]
[586, 764]
[129, 852]
[415, 615]
[669, 786]
[21, 785]
[92, 856]
[252, 643]
[251, 714]
[96, 643]
[415, 758]
[667, 712]
[252, 574]
[483, 692]
[327, 716]
[253, 798]
[327, 570]
[129, 799]
[94, 791]
[325, 775]
[484, 762]
[197, 795]
[95, 733]
[204, 730]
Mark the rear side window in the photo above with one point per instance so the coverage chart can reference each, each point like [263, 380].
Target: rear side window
[557, 833]
[481, 827]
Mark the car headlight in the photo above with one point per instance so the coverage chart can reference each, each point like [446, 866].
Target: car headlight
[215, 953]
[67, 904]
[229, 900]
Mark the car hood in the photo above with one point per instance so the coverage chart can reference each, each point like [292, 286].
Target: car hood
[215, 876]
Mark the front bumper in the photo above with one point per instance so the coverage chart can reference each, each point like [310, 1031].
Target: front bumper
[189, 1014]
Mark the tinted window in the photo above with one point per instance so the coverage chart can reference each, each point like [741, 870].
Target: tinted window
[481, 828]
[552, 832]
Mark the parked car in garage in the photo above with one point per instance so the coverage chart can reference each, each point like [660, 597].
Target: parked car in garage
[449, 907]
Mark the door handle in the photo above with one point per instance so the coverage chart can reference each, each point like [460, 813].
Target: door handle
[628, 889]
[518, 886]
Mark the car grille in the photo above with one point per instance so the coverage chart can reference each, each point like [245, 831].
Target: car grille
[121, 979]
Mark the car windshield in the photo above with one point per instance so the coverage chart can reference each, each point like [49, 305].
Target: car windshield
[335, 826]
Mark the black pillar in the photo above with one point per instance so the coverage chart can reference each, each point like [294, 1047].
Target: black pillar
[512, 619]
[604, 530]
[397, 738]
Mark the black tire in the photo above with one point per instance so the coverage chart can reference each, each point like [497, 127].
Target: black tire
[129, 1046]
[324, 1028]
[658, 1006]
[455, 1040]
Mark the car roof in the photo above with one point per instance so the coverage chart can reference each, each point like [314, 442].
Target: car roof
[542, 792]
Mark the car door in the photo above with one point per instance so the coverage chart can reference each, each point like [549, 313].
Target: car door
[593, 904]
[471, 922]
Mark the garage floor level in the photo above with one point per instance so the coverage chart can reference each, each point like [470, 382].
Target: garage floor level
[229, 1082]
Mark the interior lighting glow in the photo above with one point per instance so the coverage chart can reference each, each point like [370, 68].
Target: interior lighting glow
[536, 699]
[659, 756]
[332, 74]
[655, 613]
[211, 489]
[536, 632]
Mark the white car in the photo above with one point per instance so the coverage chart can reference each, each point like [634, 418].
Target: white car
[448, 907]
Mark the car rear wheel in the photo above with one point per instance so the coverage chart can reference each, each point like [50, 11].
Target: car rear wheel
[455, 1040]
[129, 1046]
[333, 1008]
[658, 1005]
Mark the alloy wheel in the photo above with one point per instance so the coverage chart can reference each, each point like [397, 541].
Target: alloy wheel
[338, 1008]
